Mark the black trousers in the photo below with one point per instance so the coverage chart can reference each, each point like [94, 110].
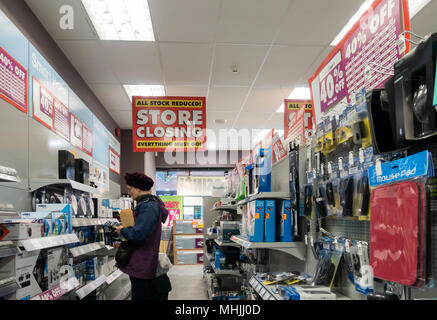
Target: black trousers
[150, 289]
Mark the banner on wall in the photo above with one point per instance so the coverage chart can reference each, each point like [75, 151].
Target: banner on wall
[114, 161]
[278, 148]
[159, 123]
[362, 58]
[298, 123]
[174, 205]
[13, 81]
[198, 186]
[87, 140]
[76, 132]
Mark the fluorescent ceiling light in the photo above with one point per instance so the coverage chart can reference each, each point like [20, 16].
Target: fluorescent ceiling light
[416, 5]
[121, 19]
[144, 90]
[364, 7]
[299, 93]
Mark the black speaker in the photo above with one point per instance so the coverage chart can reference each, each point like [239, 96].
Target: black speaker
[82, 171]
[381, 123]
[66, 165]
[414, 92]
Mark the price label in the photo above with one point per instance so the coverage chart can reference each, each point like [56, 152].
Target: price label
[351, 159]
[329, 168]
[266, 295]
[379, 167]
[340, 163]
[361, 155]
[322, 169]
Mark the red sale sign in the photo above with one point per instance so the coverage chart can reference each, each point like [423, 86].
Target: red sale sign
[362, 58]
[168, 124]
[298, 123]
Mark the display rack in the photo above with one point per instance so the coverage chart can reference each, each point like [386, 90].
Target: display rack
[266, 292]
[8, 248]
[265, 195]
[59, 290]
[86, 222]
[228, 272]
[86, 249]
[297, 249]
[49, 242]
[224, 244]
[36, 184]
[90, 287]
[233, 207]
[175, 249]
[8, 286]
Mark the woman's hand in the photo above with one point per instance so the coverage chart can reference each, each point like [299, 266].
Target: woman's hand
[117, 229]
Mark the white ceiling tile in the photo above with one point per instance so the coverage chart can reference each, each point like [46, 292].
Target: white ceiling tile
[247, 58]
[186, 91]
[112, 96]
[134, 62]
[251, 120]
[425, 22]
[276, 121]
[226, 98]
[123, 118]
[186, 63]
[286, 65]
[265, 100]
[330, 17]
[47, 11]
[316, 64]
[250, 21]
[90, 60]
[184, 21]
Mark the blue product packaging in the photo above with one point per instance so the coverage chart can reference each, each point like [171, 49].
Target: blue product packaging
[286, 224]
[270, 221]
[263, 170]
[256, 220]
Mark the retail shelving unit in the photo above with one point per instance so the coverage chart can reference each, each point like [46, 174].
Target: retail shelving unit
[176, 250]
[297, 249]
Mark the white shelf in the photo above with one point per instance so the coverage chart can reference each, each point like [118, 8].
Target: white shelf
[85, 249]
[229, 244]
[124, 294]
[113, 276]
[297, 249]
[263, 290]
[266, 195]
[58, 291]
[35, 184]
[7, 249]
[8, 178]
[85, 222]
[225, 207]
[49, 242]
[8, 286]
[90, 287]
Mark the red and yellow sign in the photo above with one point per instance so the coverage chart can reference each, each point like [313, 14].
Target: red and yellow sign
[168, 124]
[298, 124]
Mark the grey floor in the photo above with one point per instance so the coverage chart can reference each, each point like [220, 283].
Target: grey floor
[187, 283]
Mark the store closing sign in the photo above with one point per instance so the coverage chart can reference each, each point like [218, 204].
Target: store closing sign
[168, 124]
[363, 57]
[298, 123]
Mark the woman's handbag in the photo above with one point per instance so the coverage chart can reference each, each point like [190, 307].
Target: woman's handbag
[124, 253]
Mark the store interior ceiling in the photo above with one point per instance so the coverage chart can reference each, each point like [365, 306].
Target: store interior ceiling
[274, 46]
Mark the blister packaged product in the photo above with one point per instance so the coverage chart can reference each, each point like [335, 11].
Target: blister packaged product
[364, 280]
[325, 269]
[361, 199]
[348, 261]
[346, 193]
[398, 229]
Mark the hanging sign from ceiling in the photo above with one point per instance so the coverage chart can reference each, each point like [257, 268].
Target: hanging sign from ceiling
[363, 57]
[298, 123]
[168, 124]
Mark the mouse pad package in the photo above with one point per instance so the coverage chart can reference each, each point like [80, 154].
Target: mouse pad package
[397, 233]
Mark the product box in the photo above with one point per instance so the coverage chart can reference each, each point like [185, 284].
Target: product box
[227, 229]
[255, 223]
[60, 212]
[286, 221]
[21, 231]
[25, 264]
[307, 292]
[91, 269]
[189, 242]
[51, 268]
[270, 221]
[189, 257]
[186, 227]
[66, 165]
[43, 218]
